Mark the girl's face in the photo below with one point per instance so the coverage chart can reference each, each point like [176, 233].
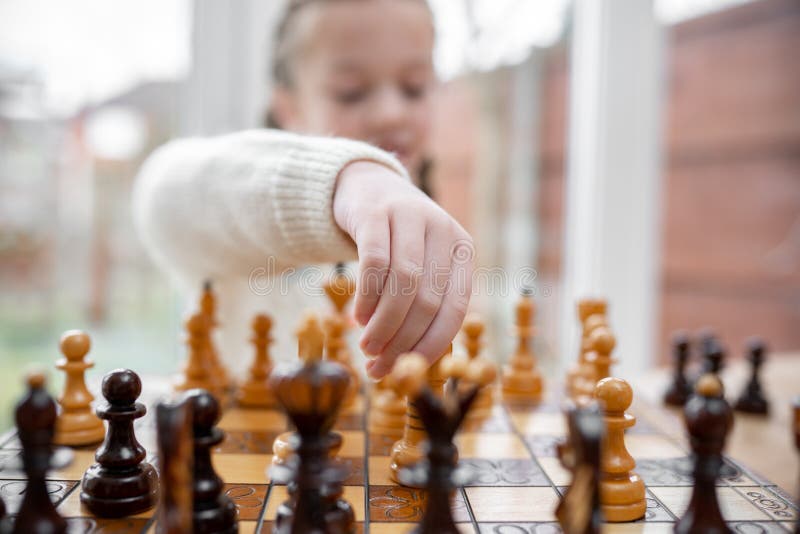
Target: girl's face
[363, 70]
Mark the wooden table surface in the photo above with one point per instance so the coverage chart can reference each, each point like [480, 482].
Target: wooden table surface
[765, 444]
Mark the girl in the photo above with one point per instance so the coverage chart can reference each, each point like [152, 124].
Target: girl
[353, 82]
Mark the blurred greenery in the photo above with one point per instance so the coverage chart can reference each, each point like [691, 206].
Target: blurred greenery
[142, 335]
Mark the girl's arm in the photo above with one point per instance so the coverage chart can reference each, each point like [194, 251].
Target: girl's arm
[220, 206]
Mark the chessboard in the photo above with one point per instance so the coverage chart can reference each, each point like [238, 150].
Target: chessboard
[517, 483]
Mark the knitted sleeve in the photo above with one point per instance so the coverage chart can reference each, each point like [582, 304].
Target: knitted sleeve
[223, 206]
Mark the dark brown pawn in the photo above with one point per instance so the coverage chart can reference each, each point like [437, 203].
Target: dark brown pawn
[679, 389]
[752, 399]
[36, 420]
[709, 419]
[120, 483]
[214, 512]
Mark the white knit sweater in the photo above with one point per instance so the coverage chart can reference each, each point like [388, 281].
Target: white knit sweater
[243, 210]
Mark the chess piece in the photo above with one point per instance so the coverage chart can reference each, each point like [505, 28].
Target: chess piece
[336, 351]
[340, 289]
[310, 346]
[208, 307]
[77, 424]
[213, 511]
[679, 389]
[255, 391]
[709, 419]
[176, 461]
[752, 399]
[409, 450]
[622, 492]
[311, 393]
[197, 373]
[440, 416]
[522, 381]
[712, 353]
[387, 411]
[580, 511]
[473, 330]
[597, 362]
[35, 417]
[591, 315]
[120, 483]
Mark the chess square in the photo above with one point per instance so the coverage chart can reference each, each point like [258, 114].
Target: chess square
[379, 471]
[543, 446]
[352, 444]
[406, 505]
[405, 528]
[493, 504]
[124, 525]
[555, 471]
[638, 528]
[266, 528]
[8, 460]
[12, 492]
[249, 419]
[245, 527]
[81, 461]
[539, 423]
[242, 468]
[72, 507]
[247, 442]
[248, 498]
[504, 472]
[477, 445]
[770, 503]
[655, 511]
[652, 446]
[352, 494]
[381, 445]
[733, 505]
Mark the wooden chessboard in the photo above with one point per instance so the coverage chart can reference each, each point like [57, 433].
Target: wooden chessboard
[517, 485]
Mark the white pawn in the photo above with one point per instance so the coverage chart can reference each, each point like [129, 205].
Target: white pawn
[77, 424]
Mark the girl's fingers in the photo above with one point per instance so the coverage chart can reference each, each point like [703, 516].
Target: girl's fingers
[445, 325]
[427, 301]
[407, 238]
[372, 242]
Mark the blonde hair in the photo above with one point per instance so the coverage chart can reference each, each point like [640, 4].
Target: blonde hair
[284, 48]
[285, 41]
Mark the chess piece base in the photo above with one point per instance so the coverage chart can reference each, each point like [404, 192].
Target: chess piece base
[521, 386]
[758, 406]
[403, 455]
[623, 499]
[339, 519]
[220, 518]
[108, 494]
[84, 429]
[283, 448]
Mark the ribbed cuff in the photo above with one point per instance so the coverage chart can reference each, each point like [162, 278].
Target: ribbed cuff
[304, 191]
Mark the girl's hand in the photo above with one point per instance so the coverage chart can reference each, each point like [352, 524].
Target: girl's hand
[415, 265]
